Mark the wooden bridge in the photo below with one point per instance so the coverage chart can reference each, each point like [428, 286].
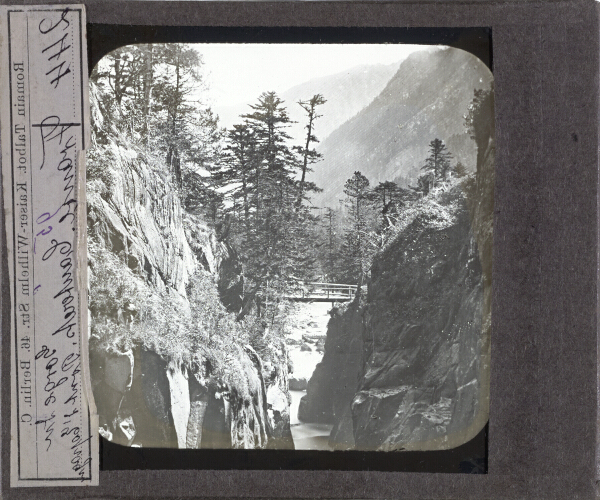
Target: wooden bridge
[322, 292]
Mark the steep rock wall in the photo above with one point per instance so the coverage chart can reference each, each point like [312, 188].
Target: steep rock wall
[152, 398]
[140, 219]
[421, 386]
[423, 369]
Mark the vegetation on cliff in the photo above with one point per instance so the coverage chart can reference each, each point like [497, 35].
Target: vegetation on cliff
[158, 270]
[198, 236]
[406, 365]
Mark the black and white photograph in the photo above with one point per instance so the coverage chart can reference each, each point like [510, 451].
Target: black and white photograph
[290, 246]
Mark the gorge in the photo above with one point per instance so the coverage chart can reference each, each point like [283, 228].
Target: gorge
[200, 240]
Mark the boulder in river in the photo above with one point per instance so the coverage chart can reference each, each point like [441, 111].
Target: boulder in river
[298, 383]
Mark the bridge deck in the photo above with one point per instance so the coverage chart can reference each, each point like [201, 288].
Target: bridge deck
[320, 298]
[323, 292]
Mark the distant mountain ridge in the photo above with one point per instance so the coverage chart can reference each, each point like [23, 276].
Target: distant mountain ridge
[427, 98]
[346, 93]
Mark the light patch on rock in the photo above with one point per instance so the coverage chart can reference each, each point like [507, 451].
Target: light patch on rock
[180, 402]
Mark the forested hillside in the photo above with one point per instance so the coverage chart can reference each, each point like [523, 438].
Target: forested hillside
[427, 98]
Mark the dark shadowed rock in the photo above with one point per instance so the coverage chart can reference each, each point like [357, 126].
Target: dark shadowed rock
[231, 280]
[298, 383]
[115, 376]
[149, 401]
[342, 433]
[216, 431]
[334, 381]
[108, 403]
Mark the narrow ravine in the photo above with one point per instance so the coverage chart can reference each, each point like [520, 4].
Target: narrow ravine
[305, 343]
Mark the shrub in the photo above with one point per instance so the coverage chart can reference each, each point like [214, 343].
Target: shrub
[115, 299]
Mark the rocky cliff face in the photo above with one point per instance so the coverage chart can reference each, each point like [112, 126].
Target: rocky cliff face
[148, 394]
[424, 341]
[420, 380]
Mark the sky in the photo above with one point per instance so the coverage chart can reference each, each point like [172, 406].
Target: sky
[239, 73]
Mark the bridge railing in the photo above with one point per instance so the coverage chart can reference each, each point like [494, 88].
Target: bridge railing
[328, 290]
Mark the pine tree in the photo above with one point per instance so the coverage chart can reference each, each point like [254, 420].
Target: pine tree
[274, 190]
[438, 162]
[386, 196]
[309, 156]
[459, 170]
[147, 90]
[355, 252]
[331, 242]
[119, 78]
[264, 181]
[176, 78]
[235, 173]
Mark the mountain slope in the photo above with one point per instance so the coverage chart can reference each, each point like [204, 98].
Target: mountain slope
[346, 93]
[426, 99]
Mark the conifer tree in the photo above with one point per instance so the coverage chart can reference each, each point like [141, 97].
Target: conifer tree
[331, 242]
[176, 78]
[309, 156]
[355, 251]
[236, 169]
[274, 190]
[386, 196]
[438, 162]
[459, 170]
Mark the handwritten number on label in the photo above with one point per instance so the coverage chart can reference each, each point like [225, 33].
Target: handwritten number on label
[45, 29]
[46, 216]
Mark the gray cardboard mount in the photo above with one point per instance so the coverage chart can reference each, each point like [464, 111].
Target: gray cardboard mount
[544, 380]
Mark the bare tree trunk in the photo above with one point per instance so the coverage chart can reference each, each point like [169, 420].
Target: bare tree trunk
[147, 88]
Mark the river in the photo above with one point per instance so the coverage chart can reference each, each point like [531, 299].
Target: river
[310, 321]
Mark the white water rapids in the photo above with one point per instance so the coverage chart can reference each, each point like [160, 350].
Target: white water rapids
[311, 320]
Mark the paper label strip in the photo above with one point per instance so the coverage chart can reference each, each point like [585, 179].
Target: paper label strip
[54, 435]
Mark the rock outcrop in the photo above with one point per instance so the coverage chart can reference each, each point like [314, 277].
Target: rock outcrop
[424, 341]
[408, 368]
[147, 394]
[334, 381]
[167, 405]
